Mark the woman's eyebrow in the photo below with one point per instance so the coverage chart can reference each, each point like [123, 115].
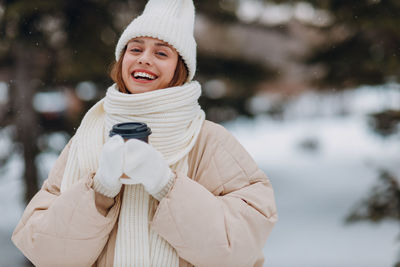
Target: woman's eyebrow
[164, 45]
[138, 41]
[156, 44]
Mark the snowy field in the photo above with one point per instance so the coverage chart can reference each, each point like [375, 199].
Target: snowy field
[315, 190]
[321, 157]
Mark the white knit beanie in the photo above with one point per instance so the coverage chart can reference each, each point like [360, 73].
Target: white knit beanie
[171, 21]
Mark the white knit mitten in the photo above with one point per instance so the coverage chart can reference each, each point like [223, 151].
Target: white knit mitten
[145, 165]
[106, 180]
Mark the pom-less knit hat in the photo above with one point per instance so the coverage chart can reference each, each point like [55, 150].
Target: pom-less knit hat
[171, 21]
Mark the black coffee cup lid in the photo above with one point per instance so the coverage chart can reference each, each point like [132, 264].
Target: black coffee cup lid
[129, 130]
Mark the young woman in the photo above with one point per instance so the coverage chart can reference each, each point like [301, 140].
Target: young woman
[194, 197]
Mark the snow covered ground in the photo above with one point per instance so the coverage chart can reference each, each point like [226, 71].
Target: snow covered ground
[316, 185]
[322, 158]
[315, 190]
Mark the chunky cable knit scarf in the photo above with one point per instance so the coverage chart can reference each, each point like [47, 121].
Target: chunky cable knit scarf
[175, 118]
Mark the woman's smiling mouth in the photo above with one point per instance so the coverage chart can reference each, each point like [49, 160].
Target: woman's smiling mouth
[143, 76]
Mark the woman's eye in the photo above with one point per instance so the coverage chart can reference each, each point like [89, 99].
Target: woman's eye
[135, 50]
[162, 54]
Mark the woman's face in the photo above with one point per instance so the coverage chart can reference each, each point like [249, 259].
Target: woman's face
[148, 64]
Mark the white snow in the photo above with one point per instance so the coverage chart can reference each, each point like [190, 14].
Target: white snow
[316, 188]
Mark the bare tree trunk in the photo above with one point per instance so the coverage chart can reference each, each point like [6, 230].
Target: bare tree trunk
[26, 120]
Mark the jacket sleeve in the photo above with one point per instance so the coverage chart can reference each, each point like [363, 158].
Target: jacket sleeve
[68, 229]
[223, 216]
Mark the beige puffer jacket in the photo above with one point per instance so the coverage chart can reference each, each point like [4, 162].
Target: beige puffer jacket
[219, 215]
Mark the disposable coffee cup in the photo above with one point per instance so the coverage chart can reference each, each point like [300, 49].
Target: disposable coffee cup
[131, 130]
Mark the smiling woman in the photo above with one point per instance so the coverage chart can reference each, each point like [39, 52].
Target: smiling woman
[148, 64]
[190, 196]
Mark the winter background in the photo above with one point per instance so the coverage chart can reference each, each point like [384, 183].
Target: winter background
[318, 146]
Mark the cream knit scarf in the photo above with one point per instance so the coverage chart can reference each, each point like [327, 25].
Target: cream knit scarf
[175, 118]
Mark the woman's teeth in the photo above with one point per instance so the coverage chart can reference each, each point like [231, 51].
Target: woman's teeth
[143, 75]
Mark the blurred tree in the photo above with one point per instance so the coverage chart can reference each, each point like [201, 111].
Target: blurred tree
[363, 44]
[385, 122]
[46, 44]
[383, 203]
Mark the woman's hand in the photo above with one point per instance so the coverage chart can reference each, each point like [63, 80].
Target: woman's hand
[106, 180]
[145, 165]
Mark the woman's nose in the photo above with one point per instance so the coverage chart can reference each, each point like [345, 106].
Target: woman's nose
[145, 58]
